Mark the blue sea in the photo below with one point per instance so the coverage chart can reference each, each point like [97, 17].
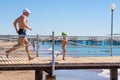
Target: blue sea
[77, 50]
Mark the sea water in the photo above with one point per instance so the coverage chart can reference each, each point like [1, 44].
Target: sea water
[82, 74]
[75, 50]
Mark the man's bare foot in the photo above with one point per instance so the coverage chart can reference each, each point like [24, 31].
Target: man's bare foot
[31, 58]
[63, 59]
[7, 54]
[57, 54]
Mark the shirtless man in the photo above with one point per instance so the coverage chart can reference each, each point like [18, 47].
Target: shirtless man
[21, 26]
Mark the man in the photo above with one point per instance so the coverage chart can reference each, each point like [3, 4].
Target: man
[21, 26]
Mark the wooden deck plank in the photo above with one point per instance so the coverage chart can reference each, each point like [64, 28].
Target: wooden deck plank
[72, 62]
[4, 60]
[24, 60]
[10, 60]
[18, 60]
[14, 60]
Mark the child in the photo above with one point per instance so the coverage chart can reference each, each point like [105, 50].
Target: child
[64, 43]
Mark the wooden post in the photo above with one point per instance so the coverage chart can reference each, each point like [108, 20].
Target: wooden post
[49, 76]
[37, 51]
[113, 74]
[44, 75]
[53, 58]
[38, 75]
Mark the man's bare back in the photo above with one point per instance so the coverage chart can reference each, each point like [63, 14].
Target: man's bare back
[22, 22]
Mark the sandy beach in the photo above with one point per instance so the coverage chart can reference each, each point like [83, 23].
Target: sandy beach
[15, 75]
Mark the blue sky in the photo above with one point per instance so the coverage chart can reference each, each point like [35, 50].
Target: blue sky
[75, 17]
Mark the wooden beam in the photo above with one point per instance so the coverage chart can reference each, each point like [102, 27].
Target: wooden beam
[113, 74]
[50, 77]
[38, 75]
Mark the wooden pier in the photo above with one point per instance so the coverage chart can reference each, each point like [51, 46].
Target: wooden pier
[41, 64]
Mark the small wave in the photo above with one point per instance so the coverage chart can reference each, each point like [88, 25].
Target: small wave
[55, 50]
[106, 73]
[50, 49]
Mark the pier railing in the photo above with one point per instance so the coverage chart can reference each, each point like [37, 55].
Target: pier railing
[82, 40]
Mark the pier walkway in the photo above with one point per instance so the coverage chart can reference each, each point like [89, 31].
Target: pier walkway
[40, 64]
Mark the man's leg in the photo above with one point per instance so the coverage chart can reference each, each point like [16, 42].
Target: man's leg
[20, 44]
[27, 48]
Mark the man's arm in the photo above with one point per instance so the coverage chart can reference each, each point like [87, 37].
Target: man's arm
[15, 25]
